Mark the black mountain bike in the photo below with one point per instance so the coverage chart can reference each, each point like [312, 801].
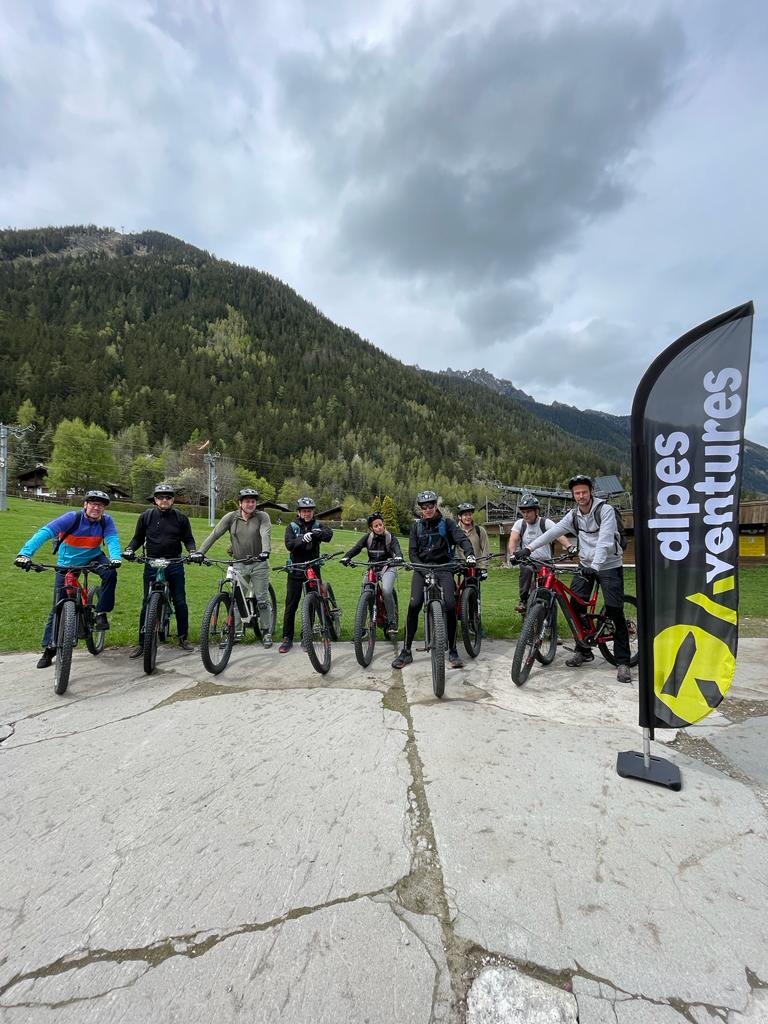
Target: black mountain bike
[435, 631]
[371, 611]
[157, 621]
[320, 614]
[217, 632]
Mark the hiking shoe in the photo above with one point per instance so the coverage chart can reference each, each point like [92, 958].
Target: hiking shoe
[623, 674]
[266, 640]
[101, 622]
[580, 658]
[404, 658]
[137, 651]
[46, 658]
[390, 631]
[239, 636]
[454, 660]
[185, 645]
[285, 646]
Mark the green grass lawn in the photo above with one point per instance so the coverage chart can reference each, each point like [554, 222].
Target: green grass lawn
[27, 596]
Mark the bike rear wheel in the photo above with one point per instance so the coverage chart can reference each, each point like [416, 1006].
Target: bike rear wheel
[94, 639]
[545, 653]
[217, 633]
[315, 633]
[471, 628]
[152, 627]
[65, 641]
[365, 628]
[528, 643]
[630, 614]
[437, 646]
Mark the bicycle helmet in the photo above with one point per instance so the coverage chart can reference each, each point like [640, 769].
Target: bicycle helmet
[374, 516]
[580, 478]
[305, 503]
[248, 492]
[164, 490]
[528, 501]
[465, 506]
[96, 496]
[426, 498]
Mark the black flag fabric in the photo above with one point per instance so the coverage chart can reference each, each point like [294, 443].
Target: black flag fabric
[687, 452]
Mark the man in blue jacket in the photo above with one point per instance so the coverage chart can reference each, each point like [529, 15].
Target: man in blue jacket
[78, 538]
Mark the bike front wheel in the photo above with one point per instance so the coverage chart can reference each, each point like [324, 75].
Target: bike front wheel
[217, 633]
[435, 628]
[528, 643]
[94, 639]
[471, 629]
[315, 633]
[66, 634]
[546, 651]
[334, 614]
[152, 627]
[630, 614]
[365, 628]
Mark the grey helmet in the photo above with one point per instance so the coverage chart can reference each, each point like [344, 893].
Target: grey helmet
[164, 490]
[374, 516]
[581, 478]
[101, 496]
[247, 492]
[426, 497]
[528, 501]
[465, 506]
[305, 503]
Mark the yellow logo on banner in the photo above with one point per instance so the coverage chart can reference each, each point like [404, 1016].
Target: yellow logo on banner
[705, 660]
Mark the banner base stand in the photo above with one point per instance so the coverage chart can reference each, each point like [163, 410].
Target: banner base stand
[631, 764]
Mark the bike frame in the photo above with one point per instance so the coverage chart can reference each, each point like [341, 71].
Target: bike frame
[550, 589]
[76, 592]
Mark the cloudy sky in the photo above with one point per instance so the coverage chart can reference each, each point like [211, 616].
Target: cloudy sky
[553, 191]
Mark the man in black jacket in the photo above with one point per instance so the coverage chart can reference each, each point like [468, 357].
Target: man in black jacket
[432, 541]
[303, 537]
[162, 530]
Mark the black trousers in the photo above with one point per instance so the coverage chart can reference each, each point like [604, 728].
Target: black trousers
[446, 581]
[612, 586]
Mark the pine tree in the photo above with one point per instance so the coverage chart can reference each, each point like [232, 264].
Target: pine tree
[389, 511]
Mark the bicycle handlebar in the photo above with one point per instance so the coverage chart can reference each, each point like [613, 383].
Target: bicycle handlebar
[374, 565]
[290, 566]
[153, 561]
[231, 561]
[43, 566]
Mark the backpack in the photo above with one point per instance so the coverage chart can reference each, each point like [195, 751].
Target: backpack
[621, 536]
[73, 529]
[387, 540]
[442, 529]
[541, 519]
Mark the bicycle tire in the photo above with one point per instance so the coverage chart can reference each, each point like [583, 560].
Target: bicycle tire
[630, 614]
[152, 627]
[396, 620]
[527, 644]
[471, 627]
[217, 633]
[94, 639]
[334, 616]
[545, 653]
[315, 633]
[66, 635]
[365, 628]
[437, 646]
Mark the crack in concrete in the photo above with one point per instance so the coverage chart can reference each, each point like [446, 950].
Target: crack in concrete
[701, 749]
[187, 945]
[11, 726]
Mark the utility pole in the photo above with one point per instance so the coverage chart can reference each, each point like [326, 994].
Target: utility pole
[5, 430]
[211, 458]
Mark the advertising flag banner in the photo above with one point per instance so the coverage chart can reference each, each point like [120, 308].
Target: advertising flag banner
[687, 453]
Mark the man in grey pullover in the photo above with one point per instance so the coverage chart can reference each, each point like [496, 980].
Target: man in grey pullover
[250, 537]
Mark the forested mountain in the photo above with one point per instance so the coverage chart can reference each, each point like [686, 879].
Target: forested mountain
[144, 335]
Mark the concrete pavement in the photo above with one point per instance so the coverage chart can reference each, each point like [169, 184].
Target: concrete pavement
[270, 844]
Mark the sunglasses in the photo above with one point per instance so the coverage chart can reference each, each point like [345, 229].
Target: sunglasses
[428, 504]
[164, 497]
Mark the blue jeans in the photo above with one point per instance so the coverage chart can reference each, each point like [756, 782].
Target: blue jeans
[174, 574]
[106, 600]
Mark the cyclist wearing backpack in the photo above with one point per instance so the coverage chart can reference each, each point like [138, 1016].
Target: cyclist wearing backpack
[162, 530]
[77, 540]
[432, 541]
[303, 537]
[382, 546]
[530, 526]
[595, 523]
[250, 537]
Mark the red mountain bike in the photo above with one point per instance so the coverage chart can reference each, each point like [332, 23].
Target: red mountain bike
[538, 637]
[371, 611]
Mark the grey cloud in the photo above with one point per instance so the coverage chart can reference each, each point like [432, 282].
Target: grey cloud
[494, 314]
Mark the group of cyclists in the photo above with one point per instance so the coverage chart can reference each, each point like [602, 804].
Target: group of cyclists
[436, 542]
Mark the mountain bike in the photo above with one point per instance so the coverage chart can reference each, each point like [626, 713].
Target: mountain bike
[538, 636]
[371, 610]
[320, 614]
[157, 620]
[217, 632]
[74, 618]
[435, 631]
[468, 580]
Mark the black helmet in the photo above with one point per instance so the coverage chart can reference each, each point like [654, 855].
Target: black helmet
[164, 490]
[96, 496]
[247, 492]
[305, 503]
[426, 498]
[528, 501]
[580, 478]
[465, 506]
[374, 516]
